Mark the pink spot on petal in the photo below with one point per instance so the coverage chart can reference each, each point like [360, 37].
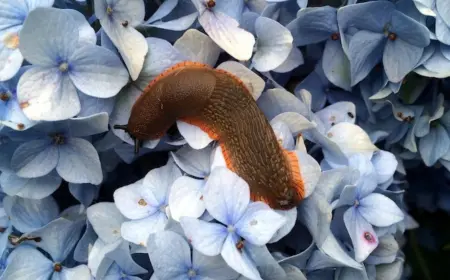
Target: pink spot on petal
[369, 237]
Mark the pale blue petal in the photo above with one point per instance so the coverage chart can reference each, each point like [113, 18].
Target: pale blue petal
[33, 188]
[128, 201]
[379, 210]
[390, 271]
[400, 58]
[443, 8]
[49, 42]
[212, 267]
[336, 113]
[336, 65]
[186, 198]
[169, 254]
[363, 236]
[276, 101]
[283, 134]
[30, 214]
[239, 261]
[347, 197]
[32, 4]
[225, 32]
[315, 213]
[58, 238]
[163, 10]
[158, 181]
[84, 193]
[367, 181]
[198, 47]
[313, 25]
[194, 162]
[86, 242]
[87, 126]
[385, 165]
[226, 195]
[178, 24]
[273, 46]
[409, 30]
[79, 272]
[442, 30]
[386, 252]
[259, 223]
[207, 238]
[86, 33]
[138, 231]
[46, 94]
[370, 16]
[365, 51]
[93, 105]
[100, 256]
[35, 158]
[106, 221]
[194, 135]
[12, 14]
[346, 273]
[294, 59]
[10, 62]
[26, 263]
[161, 56]
[130, 43]
[434, 145]
[97, 71]
[79, 162]
[233, 8]
[265, 262]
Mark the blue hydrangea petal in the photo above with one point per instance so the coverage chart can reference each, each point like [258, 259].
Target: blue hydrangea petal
[276, 101]
[48, 42]
[443, 8]
[12, 14]
[337, 113]
[265, 262]
[386, 252]
[198, 47]
[86, 126]
[33, 188]
[194, 162]
[11, 60]
[359, 229]
[385, 165]
[291, 219]
[179, 24]
[207, 238]
[259, 223]
[314, 84]
[226, 195]
[438, 64]
[35, 158]
[294, 59]
[159, 181]
[409, 30]
[232, 8]
[33, 4]
[336, 65]
[86, 242]
[239, 261]
[101, 256]
[163, 10]
[379, 210]
[313, 25]
[79, 162]
[161, 55]
[84, 193]
[346, 273]
[97, 72]
[347, 197]
[365, 51]
[30, 214]
[86, 32]
[130, 43]
[106, 220]
[186, 198]
[283, 134]
[370, 16]
[138, 231]
[273, 46]
[442, 30]
[169, 254]
[434, 145]
[225, 32]
[26, 262]
[59, 237]
[93, 105]
[47, 95]
[127, 201]
[426, 7]
[78, 272]
[212, 267]
[400, 58]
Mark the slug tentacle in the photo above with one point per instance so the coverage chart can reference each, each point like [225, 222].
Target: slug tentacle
[221, 105]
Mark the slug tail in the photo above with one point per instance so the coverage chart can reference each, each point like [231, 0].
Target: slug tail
[295, 171]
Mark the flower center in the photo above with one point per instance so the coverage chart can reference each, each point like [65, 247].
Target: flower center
[58, 139]
[4, 96]
[63, 67]
[356, 203]
[192, 273]
[231, 229]
[57, 267]
[210, 4]
[142, 202]
[11, 41]
[109, 11]
[392, 36]
[335, 36]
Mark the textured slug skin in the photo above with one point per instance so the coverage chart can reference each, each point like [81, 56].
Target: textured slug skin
[221, 105]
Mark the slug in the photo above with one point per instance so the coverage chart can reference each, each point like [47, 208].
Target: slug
[220, 104]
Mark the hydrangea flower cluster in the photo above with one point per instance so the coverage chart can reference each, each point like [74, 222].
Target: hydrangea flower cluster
[356, 89]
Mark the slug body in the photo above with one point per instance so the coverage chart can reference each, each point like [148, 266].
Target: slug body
[221, 105]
